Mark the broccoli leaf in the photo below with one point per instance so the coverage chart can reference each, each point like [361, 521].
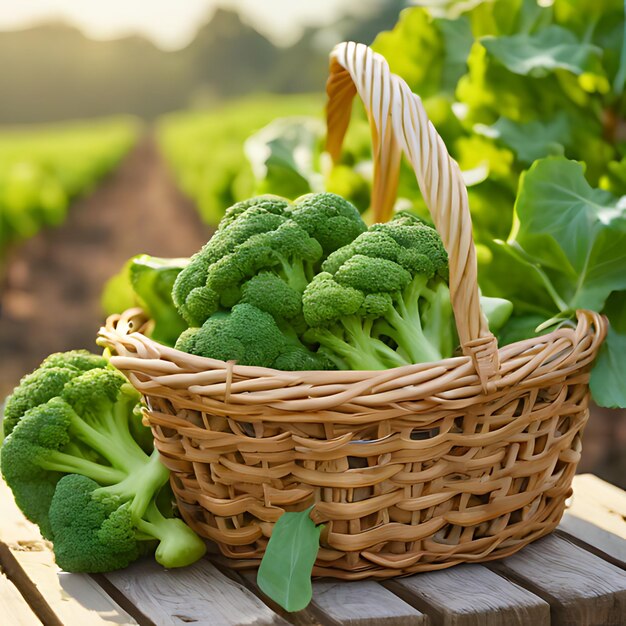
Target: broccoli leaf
[553, 48]
[285, 571]
[576, 233]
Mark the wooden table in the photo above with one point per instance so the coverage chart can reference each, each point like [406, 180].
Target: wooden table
[574, 577]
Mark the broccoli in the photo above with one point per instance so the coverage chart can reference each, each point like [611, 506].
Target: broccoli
[264, 235]
[330, 219]
[46, 382]
[250, 336]
[383, 300]
[80, 442]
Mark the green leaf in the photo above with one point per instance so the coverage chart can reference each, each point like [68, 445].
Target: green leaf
[497, 311]
[536, 139]
[553, 48]
[576, 233]
[118, 294]
[152, 279]
[282, 156]
[414, 50]
[519, 328]
[608, 377]
[285, 571]
[458, 40]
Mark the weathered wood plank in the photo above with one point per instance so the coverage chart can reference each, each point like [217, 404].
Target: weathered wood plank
[597, 540]
[596, 517]
[13, 607]
[363, 603]
[581, 588]
[306, 617]
[588, 487]
[76, 599]
[471, 595]
[198, 594]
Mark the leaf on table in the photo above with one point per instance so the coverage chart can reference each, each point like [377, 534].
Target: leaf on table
[576, 232]
[285, 571]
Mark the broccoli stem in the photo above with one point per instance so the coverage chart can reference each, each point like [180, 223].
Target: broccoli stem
[438, 319]
[361, 351]
[294, 274]
[359, 332]
[423, 334]
[110, 436]
[140, 486]
[178, 545]
[408, 334]
[67, 464]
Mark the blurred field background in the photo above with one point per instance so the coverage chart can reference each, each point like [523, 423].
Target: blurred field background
[120, 135]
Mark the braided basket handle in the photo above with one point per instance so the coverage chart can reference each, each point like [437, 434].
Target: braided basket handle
[399, 124]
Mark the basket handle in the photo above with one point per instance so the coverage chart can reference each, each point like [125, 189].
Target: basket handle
[399, 124]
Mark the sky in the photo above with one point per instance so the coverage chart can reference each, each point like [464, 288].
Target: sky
[172, 24]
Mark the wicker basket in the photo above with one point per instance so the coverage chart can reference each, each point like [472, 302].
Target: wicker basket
[414, 468]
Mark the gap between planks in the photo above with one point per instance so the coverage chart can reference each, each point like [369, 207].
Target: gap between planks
[341, 603]
[581, 588]
[596, 518]
[13, 604]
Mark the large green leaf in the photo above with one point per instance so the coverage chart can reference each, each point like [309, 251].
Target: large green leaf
[458, 40]
[414, 49]
[282, 156]
[534, 140]
[285, 571]
[553, 48]
[575, 232]
[608, 377]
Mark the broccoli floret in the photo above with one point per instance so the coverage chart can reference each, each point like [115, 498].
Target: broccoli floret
[272, 204]
[46, 382]
[245, 334]
[84, 433]
[383, 300]
[341, 319]
[98, 529]
[330, 219]
[272, 294]
[249, 336]
[264, 234]
[152, 279]
[258, 237]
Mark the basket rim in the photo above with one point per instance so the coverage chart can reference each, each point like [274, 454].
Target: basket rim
[125, 334]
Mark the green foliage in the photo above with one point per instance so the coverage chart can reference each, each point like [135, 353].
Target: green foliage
[285, 571]
[206, 149]
[566, 251]
[76, 469]
[147, 282]
[43, 169]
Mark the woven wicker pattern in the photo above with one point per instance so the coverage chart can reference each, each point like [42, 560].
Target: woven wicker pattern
[414, 468]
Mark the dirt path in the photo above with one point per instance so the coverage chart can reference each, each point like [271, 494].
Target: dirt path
[55, 280]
